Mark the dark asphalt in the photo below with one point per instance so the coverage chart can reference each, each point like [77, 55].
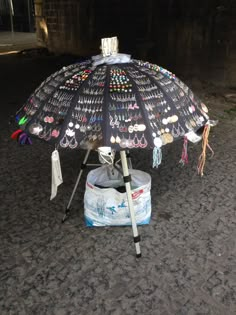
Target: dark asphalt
[189, 248]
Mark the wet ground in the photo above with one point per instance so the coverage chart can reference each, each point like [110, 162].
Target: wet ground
[188, 251]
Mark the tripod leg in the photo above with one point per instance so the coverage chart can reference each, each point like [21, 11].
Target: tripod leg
[83, 165]
[127, 180]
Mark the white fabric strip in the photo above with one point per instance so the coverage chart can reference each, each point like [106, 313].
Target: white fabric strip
[56, 173]
[110, 60]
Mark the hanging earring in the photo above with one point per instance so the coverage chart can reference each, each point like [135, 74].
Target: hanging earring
[113, 139]
[94, 118]
[99, 128]
[111, 121]
[130, 143]
[42, 134]
[64, 142]
[116, 120]
[175, 132]
[118, 139]
[135, 117]
[198, 121]
[55, 133]
[188, 125]
[121, 128]
[181, 130]
[48, 135]
[143, 142]
[94, 137]
[94, 127]
[136, 141]
[73, 143]
[123, 143]
[131, 128]
[192, 122]
[125, 129]
[136, 127]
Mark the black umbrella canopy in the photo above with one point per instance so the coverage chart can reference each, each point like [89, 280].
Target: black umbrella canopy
[125, 105]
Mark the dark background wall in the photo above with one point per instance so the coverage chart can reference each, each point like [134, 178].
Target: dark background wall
[23, 19]
[191, 38]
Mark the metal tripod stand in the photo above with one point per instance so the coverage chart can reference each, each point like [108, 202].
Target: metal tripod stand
[124, 156]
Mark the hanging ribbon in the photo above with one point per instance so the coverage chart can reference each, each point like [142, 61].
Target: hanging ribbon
[205, 145]
[157, 157]
[184, 157]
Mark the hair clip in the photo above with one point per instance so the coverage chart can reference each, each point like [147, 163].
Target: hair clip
[23, 138]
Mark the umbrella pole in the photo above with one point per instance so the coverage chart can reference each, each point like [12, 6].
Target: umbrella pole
[83, 165]
[127, 180]
[130, 166]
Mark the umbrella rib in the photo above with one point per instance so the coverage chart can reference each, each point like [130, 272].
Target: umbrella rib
[167, 97]
[42, 85]
[105, 108]
[139, 101]
[49, 95]
[73, 103]
[187, 94]
[166, 94]
[156, 83]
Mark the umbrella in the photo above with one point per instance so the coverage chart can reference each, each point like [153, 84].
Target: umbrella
[111, 100]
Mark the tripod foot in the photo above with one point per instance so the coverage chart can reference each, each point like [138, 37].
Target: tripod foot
[66, 215]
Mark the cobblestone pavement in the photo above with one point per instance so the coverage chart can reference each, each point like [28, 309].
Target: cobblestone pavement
[188, 264]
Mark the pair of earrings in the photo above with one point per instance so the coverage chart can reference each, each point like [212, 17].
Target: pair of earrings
[48, 119]
[46, 135]
[133, 143]
[114, 121]
[139, 143]
[115, 139]
[65, 142]
[177, 131]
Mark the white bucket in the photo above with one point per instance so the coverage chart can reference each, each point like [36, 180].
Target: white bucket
[108, 206]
